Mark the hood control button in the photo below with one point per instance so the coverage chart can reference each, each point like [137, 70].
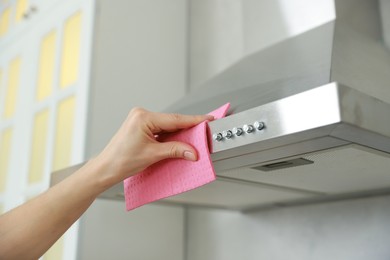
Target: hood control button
[218, 137]
[259, 125]
[248, 128]
[237, 131]
[227, 134]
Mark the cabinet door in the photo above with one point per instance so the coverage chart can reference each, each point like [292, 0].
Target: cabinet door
[44, 72]
[60, 89]
[14, 18]
[59, 102]
[17, 17]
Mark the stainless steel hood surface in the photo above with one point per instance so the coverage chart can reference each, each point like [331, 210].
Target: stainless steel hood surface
[347, 147]
[324, 97]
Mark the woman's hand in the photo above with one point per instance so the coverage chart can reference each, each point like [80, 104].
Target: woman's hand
[134, 147]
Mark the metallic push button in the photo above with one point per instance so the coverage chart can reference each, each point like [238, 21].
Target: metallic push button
[259, 125]
[237, 131]
[217, 137]
[227, 134]
[248, 128]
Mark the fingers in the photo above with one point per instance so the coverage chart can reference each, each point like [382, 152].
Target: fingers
[173, 122]
[176, 150]
[155, 123]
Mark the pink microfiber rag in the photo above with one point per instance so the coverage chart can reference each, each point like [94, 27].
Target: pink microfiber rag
[173, 176]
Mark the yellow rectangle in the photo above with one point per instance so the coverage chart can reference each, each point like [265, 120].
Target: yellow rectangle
[5, 156]
[70, 56]
[64, 133]
[46, 66]
[12, 88]
[38, 148]
[5, 21]
[21, 8]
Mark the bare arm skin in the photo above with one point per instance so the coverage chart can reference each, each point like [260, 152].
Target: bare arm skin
[29, 230]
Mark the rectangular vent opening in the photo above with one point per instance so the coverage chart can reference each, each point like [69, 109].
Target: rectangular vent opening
[283, 164]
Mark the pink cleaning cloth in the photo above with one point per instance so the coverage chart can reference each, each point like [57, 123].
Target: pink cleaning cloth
[174, 176]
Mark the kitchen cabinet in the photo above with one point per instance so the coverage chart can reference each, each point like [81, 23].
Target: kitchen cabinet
[13, 15]
[43, 97]
[70, 71]
[19, 16]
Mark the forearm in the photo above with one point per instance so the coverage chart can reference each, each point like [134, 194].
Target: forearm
[29, 230]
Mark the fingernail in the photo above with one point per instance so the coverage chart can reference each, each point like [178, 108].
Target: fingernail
[189, 156]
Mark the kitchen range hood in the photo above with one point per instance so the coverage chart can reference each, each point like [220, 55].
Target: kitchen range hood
[309, 119]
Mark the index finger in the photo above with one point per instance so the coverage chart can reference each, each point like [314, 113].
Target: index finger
[161, 122]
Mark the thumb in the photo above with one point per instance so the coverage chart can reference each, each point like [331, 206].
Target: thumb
[177, 150]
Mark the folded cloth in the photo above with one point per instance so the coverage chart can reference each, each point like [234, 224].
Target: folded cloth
[173, 176]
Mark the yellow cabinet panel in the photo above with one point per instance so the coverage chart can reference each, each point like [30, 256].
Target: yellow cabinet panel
[39, 143]
[5, 151]
[46, 66]
[64, 133]
[5, 17]
[21, 8]
[12, 88]
[70, 57]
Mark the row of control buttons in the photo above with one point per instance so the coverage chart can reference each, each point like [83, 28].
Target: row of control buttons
[238, 131]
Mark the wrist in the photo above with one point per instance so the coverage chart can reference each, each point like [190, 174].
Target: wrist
[98, 172]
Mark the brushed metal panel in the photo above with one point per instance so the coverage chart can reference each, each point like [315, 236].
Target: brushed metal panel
[308, 110]
[345, 169]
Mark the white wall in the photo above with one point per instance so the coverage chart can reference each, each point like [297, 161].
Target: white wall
[108, 231]
[355, 229]
[140, 57]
